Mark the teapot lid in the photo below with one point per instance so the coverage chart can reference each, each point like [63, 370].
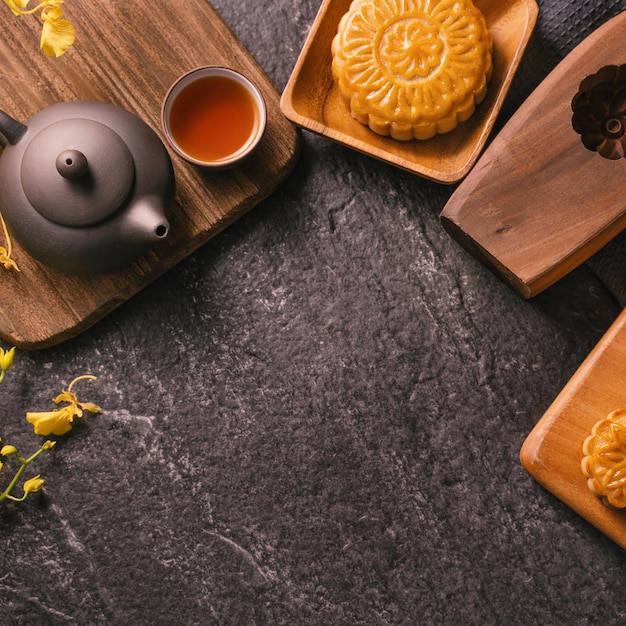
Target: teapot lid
[77, 172]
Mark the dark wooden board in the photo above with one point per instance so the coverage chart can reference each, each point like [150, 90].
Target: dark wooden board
[128, 54]
[537, 203]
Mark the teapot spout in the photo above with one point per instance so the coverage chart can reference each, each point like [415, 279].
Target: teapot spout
[11, 131]
[146, 221]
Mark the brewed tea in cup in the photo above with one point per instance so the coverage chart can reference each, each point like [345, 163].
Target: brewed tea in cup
[213, 117]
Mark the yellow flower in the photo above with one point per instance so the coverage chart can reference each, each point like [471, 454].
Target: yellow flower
[33, 484]
[5, 253]
[57, 34]
[6, 261]
[6, 358]
[30, 486]
[8, 450]
[59, 421]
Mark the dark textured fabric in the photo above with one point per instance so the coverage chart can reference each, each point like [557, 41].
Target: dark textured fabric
[610, 266]
[316, 419]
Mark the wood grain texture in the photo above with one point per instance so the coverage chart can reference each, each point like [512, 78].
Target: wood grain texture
[552, 453]
[537, 203]
[128, 54]
[312, 100]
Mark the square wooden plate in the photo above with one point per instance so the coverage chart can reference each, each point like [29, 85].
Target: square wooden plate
[311, 100]
[552, 453]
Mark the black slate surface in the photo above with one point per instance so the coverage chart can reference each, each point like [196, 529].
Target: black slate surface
[316, 419]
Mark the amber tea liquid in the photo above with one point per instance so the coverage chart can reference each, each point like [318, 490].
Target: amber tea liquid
[212, 118]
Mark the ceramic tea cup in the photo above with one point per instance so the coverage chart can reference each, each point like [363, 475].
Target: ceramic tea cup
[213, 117]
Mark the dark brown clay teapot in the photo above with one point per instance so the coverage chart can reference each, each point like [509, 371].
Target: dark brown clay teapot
[85, 186]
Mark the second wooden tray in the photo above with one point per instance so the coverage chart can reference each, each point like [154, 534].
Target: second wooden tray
[537, 203]
[552, 453]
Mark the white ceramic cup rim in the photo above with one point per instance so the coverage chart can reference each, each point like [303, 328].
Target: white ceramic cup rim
[202, 72]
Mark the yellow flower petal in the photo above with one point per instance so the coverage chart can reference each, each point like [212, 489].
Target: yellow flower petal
[8, 450]
[56, 422]
[5, 257]
[57, 34]
[90, 406]
[65, 396]
[8, 264]
[17, 6]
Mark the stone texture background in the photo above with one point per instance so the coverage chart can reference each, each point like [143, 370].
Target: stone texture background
[316, 419]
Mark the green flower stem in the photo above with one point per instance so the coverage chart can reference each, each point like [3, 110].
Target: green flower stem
[6, 494]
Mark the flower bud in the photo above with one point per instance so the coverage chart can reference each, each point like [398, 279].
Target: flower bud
[8, 450]
[6, 358]
[33, 484]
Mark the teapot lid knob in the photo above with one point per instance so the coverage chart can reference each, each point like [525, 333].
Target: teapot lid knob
[72, 164]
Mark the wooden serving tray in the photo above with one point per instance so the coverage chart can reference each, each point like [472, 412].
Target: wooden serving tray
[311, 100]
[128, 54]
[537, 204]
[552, 453]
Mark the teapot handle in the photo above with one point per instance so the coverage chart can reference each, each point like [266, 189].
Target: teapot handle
[11, 131]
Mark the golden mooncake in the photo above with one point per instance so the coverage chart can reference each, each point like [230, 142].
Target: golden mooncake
[604, 461]
[412, 68]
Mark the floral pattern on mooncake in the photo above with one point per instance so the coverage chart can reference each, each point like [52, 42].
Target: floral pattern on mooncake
[604, 461]
[412, 68]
